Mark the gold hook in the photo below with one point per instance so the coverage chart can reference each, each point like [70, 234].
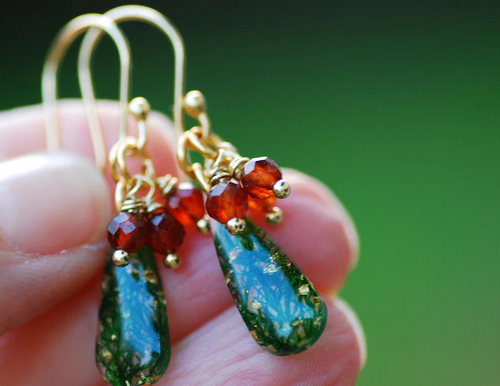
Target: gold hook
[49, 81]
[156, 19]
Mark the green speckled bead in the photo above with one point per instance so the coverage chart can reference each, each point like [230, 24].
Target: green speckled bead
[133, 342]
[281, 308]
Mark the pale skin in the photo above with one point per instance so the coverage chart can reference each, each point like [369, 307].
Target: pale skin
[54, 210]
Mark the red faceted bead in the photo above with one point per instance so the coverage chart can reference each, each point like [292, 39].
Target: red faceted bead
[166, 233]
[227, 200]
[186, 203]
[128, 232]
[259, 177]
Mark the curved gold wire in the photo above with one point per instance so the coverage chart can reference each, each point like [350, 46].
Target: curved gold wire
[128, 191]
[156, 19]
[49, 81]
[128, 147]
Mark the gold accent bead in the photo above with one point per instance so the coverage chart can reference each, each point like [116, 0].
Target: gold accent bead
[304, 290]
[140, 108]
[236, 226]
[105, 353]
[121, 258]
[275, 216]
[282, 189]
[150, 276]
[203, 226]
[256, 304]
[171, 261]
[194, 103]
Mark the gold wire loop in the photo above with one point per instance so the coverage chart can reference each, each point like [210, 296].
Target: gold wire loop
[140, 180]
[212, 149]
[140, 108]
[120, 193]
[156, 19]
[195, 105]
[195, 136]
[192, 140]
[129, 147]
[49, 81]
[200, 176]
[127, 193]
[183, 156]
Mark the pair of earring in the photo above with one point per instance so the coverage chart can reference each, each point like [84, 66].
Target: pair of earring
[281, 308]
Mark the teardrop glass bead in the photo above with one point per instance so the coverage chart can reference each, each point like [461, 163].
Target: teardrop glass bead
[281, 308]
[133, 342]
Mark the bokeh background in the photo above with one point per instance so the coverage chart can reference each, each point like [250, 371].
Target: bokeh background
[393, 104]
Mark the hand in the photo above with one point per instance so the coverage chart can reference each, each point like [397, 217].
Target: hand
[54, 210]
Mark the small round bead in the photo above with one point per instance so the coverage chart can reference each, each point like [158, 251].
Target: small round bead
[171, 261]
[225, 201]
[186, 203]
[140, 108]
[194, 103]
[236, 226]
[166, 233]
[203, 226]
[128, 232]
[275, 216]
[121, 258]
[259, 177]
[282, 189]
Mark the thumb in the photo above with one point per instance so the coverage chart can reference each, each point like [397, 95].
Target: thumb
[55, 205]
[51, 202]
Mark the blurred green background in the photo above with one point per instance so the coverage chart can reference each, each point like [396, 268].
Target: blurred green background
[405, 97]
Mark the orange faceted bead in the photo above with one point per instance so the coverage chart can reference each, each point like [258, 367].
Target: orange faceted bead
[227, 200]
[259, 177]
[128, 232]
[166, 233]
[186, 203]
[263, 205]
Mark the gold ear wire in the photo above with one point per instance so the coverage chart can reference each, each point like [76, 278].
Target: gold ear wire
[60, 46]
[156, 19]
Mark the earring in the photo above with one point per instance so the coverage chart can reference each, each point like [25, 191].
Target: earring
[184, 201]
[281, 308]
[183, 204]
[133, 345]
[279, 305]
[133, 342]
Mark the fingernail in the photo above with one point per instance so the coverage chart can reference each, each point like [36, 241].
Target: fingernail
[52, 202]
[353, 320]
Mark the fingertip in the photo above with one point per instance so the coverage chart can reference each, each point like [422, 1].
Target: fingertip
[357, 328]
[52, 202]
[315, 232]
[23, 132]
[307, 186]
